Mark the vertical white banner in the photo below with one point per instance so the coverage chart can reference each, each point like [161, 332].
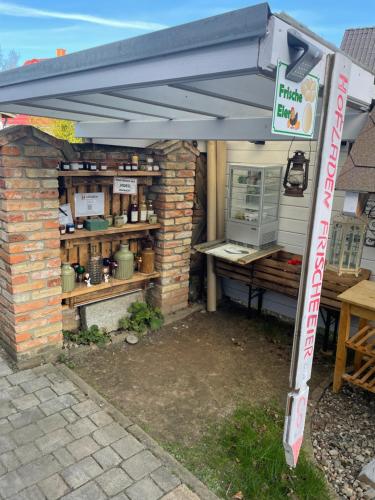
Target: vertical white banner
[314, 258]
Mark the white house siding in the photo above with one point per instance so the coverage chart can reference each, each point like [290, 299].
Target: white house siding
[294, 213]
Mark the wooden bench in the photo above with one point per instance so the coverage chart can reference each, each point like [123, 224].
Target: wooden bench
[274, 273]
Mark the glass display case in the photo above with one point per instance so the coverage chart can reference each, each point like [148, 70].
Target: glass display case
[253, 204]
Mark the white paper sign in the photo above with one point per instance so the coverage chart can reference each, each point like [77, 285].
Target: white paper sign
[87, 204]
[65, 215]
[124, 185]
[294, 107]
[307, 322]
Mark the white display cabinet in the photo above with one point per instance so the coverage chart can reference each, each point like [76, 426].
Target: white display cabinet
[253, 204]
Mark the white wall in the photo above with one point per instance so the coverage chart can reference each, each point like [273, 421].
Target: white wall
[294, 213]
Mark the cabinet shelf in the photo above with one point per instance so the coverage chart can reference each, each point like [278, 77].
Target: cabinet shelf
[107, 173]
[128, 228]
[82, 294]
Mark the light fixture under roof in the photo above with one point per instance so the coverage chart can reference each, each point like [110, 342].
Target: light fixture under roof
[307, 57]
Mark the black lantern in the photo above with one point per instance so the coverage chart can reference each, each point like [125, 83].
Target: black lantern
[296, 175]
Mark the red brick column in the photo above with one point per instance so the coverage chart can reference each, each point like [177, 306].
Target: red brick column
[173, 197]
[30, 291]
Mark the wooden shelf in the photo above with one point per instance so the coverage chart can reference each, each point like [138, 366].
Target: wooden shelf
[83, 289]
[364, 377]
[107, 173]
[128, 228]
[363, 341]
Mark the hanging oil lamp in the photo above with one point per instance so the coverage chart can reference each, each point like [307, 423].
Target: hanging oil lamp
[296, 175]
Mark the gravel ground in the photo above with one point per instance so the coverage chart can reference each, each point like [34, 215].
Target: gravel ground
[343, 435]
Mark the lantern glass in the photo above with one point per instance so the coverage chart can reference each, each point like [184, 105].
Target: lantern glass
[345, 252]
[296, 175]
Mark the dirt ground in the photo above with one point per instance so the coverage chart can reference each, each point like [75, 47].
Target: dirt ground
[176, 381]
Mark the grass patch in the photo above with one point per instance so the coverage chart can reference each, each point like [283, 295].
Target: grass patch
[244, 453]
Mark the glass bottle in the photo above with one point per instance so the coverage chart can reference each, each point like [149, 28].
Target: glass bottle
[142, 211]
[95, 266]
[150, 209]
[133, 211]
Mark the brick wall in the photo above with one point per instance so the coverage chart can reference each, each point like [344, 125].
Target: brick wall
[30, 300]
[30, 292]
[174, 195]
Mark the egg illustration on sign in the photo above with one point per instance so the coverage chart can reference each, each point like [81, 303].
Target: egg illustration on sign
[307, 118]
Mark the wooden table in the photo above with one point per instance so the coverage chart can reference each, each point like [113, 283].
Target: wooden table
[357, 301]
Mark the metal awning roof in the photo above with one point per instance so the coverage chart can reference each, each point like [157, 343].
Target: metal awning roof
[209, 79]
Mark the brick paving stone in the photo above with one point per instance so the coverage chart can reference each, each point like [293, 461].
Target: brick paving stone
[21, 376]
[9, 460]
[128, 446]
[81, 472]
[11, 392]
[164, 479]
[31, 493]
[101, 418]
[25, 417]
[56, 377]
[54, 487]
[4, 368]
[89, 491]
[45, 394]
[27, 453]
[144, 489]
[63, 387]
[26, 434]
[5, 426]
[52, 423]
[64, 457]
[6, 444]
[83, 447]
[53, 441]
[114, 481]
[110, 433]
[6, 409]
[85, 408]
[4, 383]
[79, 395]
[35, 384]
[141, 464]
[25, 402]
[10, 484]
[69, 415]
[57, 404]
[182, 492]
[38, 470]
[107, 458]
[81, 427]
[120, 496]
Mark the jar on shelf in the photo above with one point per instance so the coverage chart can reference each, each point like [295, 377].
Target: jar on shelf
[95, 266]
[135, 162]
[68, 278]
[125, 263]
[128, 166]
[149, 163]
[79, 223]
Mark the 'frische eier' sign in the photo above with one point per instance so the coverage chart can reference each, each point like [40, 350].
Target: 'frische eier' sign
[305, 333]
[294, 107]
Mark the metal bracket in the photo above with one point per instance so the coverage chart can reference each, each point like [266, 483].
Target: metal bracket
[308, 56]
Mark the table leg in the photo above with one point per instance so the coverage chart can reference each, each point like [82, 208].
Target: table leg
[340, 363]
[358, 355]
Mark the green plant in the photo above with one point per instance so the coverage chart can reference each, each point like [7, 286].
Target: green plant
[92, 335]
[142, 317]
[63, 358]
[244, 452]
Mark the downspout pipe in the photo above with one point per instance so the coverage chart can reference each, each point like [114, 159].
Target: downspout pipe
[211, 223]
